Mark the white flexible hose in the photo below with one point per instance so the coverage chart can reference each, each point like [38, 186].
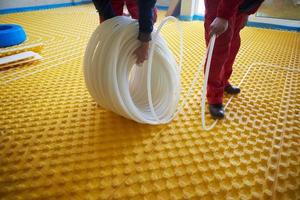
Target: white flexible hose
[210, 49]
[118, 85]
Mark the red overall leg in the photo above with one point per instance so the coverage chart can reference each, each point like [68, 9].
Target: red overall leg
[215, 87]
[133, 9]
[118, 6]
[234, 48]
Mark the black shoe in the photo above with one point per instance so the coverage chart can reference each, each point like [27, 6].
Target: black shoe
[216, 111]
[232, 90]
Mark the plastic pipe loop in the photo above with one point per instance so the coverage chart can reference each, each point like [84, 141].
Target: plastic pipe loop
[147, 94]
[144, 94]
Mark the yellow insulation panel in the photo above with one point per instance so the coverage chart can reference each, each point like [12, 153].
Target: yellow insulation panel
[56, 143]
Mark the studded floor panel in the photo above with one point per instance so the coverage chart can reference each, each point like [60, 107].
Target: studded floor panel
[56, 143]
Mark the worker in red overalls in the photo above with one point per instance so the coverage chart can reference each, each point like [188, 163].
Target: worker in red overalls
[225, 18]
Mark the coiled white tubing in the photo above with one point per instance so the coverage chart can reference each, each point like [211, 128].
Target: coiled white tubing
[147, 94]
[118, 85]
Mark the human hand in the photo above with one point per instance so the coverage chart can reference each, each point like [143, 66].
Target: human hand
[142, 52]
[218, 26]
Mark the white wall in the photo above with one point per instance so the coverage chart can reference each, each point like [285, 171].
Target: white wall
[187, 8]
[6, 4]
[199, 8]
[192, 7]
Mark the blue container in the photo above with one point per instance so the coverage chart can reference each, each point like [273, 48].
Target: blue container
[11, 34]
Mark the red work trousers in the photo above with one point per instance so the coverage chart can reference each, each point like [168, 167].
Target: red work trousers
[226, 48]
[132, 7]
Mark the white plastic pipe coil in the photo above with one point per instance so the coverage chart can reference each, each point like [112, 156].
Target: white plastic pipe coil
[148, 94]
[118, 85]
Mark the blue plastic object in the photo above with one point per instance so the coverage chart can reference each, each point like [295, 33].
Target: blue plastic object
[11, 34]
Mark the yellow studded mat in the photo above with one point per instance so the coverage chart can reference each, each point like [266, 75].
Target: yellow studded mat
[55, 143]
